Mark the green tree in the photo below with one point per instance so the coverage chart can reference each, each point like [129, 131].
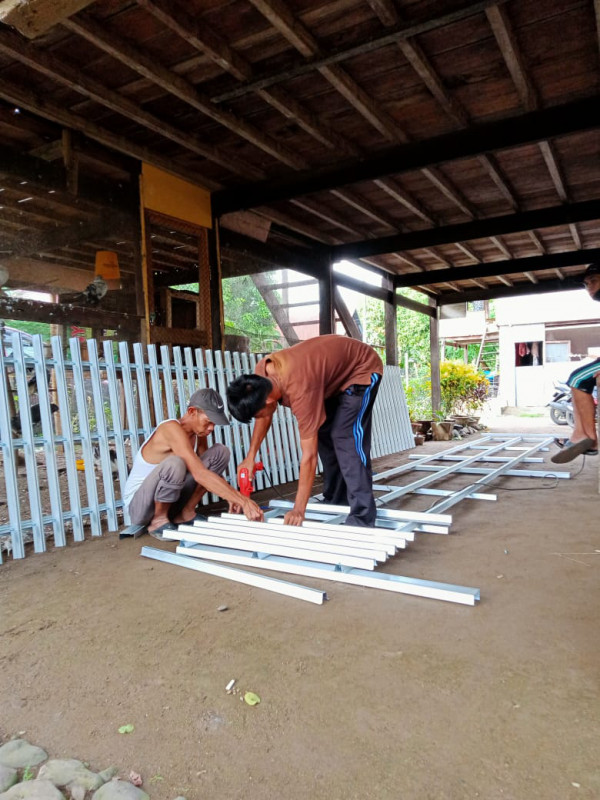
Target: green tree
[247, 314]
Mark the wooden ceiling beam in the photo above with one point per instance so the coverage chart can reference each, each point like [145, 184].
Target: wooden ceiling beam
[216, 48]
[513, 266]
[576, 116]
[108, 40]
[92, 195]
[324, 214]
[507, 42]
[476, 229]
[543, 287]
[107, 226]
[509, 47]
[392, 188]
[43, 106]
[338, 56]
[73, 78]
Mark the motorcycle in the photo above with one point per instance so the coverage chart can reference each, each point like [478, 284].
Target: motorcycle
[561, 405]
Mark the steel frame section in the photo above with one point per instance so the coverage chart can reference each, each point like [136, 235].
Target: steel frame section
[464, 595]
[256, 544]
[239, 576]
[323, 532]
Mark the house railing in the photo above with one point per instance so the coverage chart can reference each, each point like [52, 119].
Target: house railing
[70, 428]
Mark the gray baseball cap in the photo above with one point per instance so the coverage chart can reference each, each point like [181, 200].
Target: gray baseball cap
[211, 403]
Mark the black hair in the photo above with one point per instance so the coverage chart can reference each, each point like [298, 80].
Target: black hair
[246, 396]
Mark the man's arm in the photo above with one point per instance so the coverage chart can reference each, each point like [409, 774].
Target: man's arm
[308, 467]
[180, 445]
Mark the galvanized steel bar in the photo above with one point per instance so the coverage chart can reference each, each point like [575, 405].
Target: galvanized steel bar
[155, 370]
[239, 576]
[68, 441]
[117, 422]
[142, 389]
[33, 489]
[46, 418]
[464, 595]
[10, 467]
[129, 393]
[86, 437]
[165, 357]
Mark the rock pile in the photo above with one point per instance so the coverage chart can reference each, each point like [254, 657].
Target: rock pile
[57, 779]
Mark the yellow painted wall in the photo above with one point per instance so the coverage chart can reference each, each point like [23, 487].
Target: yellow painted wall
[175, 197]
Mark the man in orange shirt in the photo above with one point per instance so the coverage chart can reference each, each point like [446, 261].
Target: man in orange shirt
[330, 383]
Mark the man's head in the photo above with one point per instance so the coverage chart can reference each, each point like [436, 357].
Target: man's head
[247, 396]
[591, 281]
[210, 405]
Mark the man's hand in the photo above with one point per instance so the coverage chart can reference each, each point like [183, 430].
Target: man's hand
[252, 511]
[293, 517]
[249, 464]
[235, 508]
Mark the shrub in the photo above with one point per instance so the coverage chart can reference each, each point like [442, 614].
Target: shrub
[464, 389]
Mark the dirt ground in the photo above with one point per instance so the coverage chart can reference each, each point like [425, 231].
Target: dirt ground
[372, 695]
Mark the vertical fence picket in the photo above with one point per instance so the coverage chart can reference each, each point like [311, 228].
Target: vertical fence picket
[165, 357]
[133, 424]
[221, 386]
[244, 430]
[113, 395]
[68, 441]
[41, 375]
[235, 425]
[10, 468]
[201, 369]
[182, 400]
[142, 388]
[155, 384]
[86, 437]
[102, 430]
[272, 442]
[189, 373]
[33, 488]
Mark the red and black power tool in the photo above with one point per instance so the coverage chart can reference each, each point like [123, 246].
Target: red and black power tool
[245, 481]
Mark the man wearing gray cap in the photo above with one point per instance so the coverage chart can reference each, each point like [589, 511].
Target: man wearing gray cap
[174, 468]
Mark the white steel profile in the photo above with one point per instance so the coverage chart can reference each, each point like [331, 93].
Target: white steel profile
[451, 593]
[239, 576]
[225, 539]
[318, 532]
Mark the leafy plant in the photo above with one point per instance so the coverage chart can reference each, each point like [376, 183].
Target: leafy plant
[463, 388]
[28, 774]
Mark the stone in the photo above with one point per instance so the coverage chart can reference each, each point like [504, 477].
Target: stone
[77, 792]
[19, 754]
[33, 790]
[118, 790]
[8, 777]
[108, 774]
[70, 772]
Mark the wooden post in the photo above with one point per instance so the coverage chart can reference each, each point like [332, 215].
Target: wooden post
[217, 322]
[391, 325]
[326, 323]
[434, 325]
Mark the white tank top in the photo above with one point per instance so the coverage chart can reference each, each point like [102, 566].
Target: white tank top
[141, 468]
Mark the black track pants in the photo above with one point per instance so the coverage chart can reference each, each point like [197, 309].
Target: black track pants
[345, 451]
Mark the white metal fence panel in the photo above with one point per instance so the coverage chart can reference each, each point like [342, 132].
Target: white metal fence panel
[66, 456]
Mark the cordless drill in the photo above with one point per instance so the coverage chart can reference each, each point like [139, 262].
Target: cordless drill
[245, 481]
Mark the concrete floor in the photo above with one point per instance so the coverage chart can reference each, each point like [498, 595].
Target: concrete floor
[372, 695]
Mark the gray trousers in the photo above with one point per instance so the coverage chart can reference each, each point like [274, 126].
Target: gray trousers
[170, 482]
